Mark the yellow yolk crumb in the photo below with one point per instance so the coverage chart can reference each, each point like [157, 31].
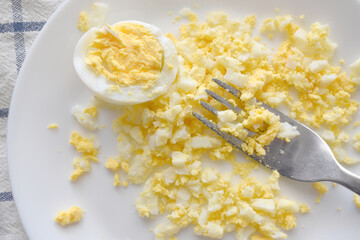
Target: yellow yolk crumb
[112, 164]
[82, 145]
[321, 188]
[304, 208]
[72, 215]
[92, 111]
[116, 180]
[89, 152]
[125, 183]
[302, 17]
[258, 237]
[52, 126]
[134, 58]
[176, 19]
[83, 22]
[357, 123]
[357, 200]
[265, 122]
[244, 168]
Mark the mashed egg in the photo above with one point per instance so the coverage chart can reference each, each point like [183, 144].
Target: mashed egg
[129, 62]
[167, 136]
[163, 145]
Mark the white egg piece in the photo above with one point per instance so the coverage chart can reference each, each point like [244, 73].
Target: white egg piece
[125, 94]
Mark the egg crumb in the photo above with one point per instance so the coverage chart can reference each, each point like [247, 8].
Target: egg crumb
[89, 151]
[244, 168]
[72, 215]
[321, 188]
[176, 19]
[112, 164]
[92, 111]
[258, 237]
[357, 200]
[116, 180]
[125, 183]
[53, 126]
[304, 208]
[83, 22]
[82, 145]
[86, 116]
[96, 18]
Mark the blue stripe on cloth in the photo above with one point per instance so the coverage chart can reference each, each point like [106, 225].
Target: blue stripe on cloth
[33, 26]
[19, 49]
[17, 10]
[6, 197]
[18, 36]
[4, 112]
[6, 27]
[21, 27]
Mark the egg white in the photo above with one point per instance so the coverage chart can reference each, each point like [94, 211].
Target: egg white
[129, 95]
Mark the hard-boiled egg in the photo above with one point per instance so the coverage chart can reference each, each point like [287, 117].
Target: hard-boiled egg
[127, 63]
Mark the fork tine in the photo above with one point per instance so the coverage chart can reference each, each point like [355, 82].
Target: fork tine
[223, 101]
[227, 87]
[237, 94]
[228, 137]
[209, 108]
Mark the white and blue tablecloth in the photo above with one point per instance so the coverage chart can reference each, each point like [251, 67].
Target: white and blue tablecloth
[20, 22]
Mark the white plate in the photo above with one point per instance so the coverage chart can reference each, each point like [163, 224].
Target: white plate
[40, 160]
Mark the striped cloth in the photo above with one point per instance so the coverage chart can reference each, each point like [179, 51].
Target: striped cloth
[20, 22]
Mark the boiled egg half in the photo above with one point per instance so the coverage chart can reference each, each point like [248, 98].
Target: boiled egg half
[129, 62]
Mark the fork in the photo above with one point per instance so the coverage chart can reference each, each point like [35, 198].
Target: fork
[306, 158]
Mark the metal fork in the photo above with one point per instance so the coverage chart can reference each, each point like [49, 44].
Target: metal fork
[306, 158]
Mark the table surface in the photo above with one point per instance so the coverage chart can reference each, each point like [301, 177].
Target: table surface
[20, 22]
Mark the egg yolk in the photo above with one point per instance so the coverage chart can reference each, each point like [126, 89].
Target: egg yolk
[133, 57]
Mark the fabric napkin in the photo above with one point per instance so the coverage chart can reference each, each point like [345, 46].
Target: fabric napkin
[20, 22]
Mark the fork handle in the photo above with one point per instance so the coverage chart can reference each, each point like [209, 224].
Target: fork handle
[348, 180]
